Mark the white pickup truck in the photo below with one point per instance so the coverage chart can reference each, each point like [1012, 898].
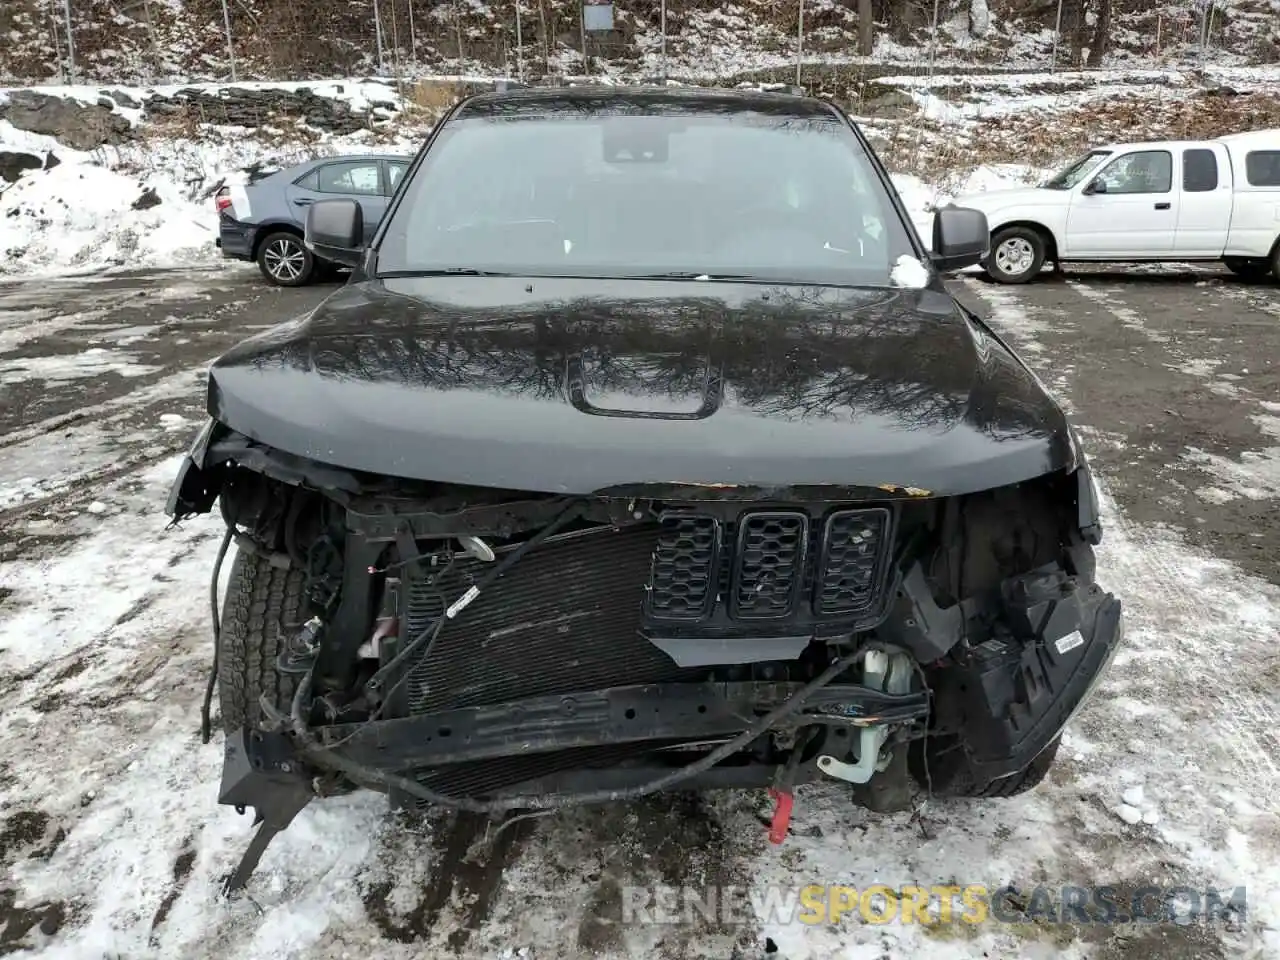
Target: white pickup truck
[1213, 200]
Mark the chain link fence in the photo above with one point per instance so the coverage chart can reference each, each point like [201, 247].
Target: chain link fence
[154, 41]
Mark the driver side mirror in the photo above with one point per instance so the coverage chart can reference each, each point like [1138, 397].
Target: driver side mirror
[961, 238]
[335, 231]
[1096, 185]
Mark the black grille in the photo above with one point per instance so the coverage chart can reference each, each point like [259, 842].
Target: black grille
[682, 575]
[852, 560]
[565, 618]
[770, 567]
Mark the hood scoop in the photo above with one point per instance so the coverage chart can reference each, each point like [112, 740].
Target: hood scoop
[650, 386]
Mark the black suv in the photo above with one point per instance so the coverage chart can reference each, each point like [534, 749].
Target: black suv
[644, 449]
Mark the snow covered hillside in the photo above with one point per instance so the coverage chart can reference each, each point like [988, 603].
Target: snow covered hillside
[186, 39]
[96, 177]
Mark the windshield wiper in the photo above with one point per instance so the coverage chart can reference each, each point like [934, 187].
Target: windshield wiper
[442, 272]
[688, 275]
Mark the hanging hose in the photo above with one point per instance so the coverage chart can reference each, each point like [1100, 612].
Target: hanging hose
[313, 751]
[206, 724]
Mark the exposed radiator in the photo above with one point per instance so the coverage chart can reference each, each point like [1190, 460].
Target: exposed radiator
[566, 617]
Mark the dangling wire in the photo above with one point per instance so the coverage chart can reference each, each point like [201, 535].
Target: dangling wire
[206, 724]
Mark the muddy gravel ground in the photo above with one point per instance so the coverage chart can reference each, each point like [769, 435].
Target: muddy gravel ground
[112, 845]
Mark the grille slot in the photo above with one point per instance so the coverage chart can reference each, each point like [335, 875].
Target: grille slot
[853, 559]
[770, 564]
[683, 572]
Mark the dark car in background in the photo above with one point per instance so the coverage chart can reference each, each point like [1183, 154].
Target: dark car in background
[264, 220]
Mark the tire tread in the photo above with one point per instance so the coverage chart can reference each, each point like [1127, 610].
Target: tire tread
[262, 603]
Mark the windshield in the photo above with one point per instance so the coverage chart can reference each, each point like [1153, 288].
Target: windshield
[1076, 171]
[602, 194]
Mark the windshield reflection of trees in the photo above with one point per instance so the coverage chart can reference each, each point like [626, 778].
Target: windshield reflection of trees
[800, 354]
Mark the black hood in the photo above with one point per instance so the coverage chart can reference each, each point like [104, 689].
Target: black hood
[584, 386]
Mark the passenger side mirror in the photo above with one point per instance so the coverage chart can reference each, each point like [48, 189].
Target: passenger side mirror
[1096, 185]
[335, 231]
[961, 238]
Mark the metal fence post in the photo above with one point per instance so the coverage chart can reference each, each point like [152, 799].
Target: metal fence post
[1057, 33]
[71, 44]
[663, 16]
[231, 49]
[377, 36]
[519, 46]
[413, 40]
[933, 46]
[799, 42]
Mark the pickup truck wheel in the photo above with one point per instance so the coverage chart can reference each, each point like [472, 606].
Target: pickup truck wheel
[1017, 254]
[1248, 269]
[1275, 263]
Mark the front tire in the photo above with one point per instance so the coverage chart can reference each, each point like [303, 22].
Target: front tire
[284, 260]
[263, 605]
[950, 774]
[1248, 269]
[1017, 254]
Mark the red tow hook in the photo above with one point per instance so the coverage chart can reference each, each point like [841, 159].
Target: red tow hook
[781, 821]
[781, 794]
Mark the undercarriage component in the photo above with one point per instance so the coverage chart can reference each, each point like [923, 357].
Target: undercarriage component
[635, 714]
[261, 771]
[890, 672]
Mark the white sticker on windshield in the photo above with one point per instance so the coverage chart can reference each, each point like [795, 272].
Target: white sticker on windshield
[872, 225]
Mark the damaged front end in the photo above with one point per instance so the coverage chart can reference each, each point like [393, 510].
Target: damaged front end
[493, 650]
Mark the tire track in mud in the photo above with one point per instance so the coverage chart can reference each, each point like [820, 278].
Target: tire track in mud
[574, 867]
[467, 874]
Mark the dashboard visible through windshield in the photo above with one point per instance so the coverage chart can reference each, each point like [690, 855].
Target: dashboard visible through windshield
[602, 194]
[1076, 171]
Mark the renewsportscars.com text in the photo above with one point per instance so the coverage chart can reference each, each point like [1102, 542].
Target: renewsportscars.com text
[815, 904]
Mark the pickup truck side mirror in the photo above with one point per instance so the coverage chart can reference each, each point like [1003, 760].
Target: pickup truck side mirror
[1097, 185]
[335, 231]
[961, 238]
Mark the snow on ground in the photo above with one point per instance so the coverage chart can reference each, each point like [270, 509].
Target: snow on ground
[1168, 777]
[98, 209]
[1255, 475]
[148, 202]
[128, 658]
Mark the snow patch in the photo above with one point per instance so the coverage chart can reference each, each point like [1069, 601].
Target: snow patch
[910, 273]
[94, 362]
[1255, 476]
